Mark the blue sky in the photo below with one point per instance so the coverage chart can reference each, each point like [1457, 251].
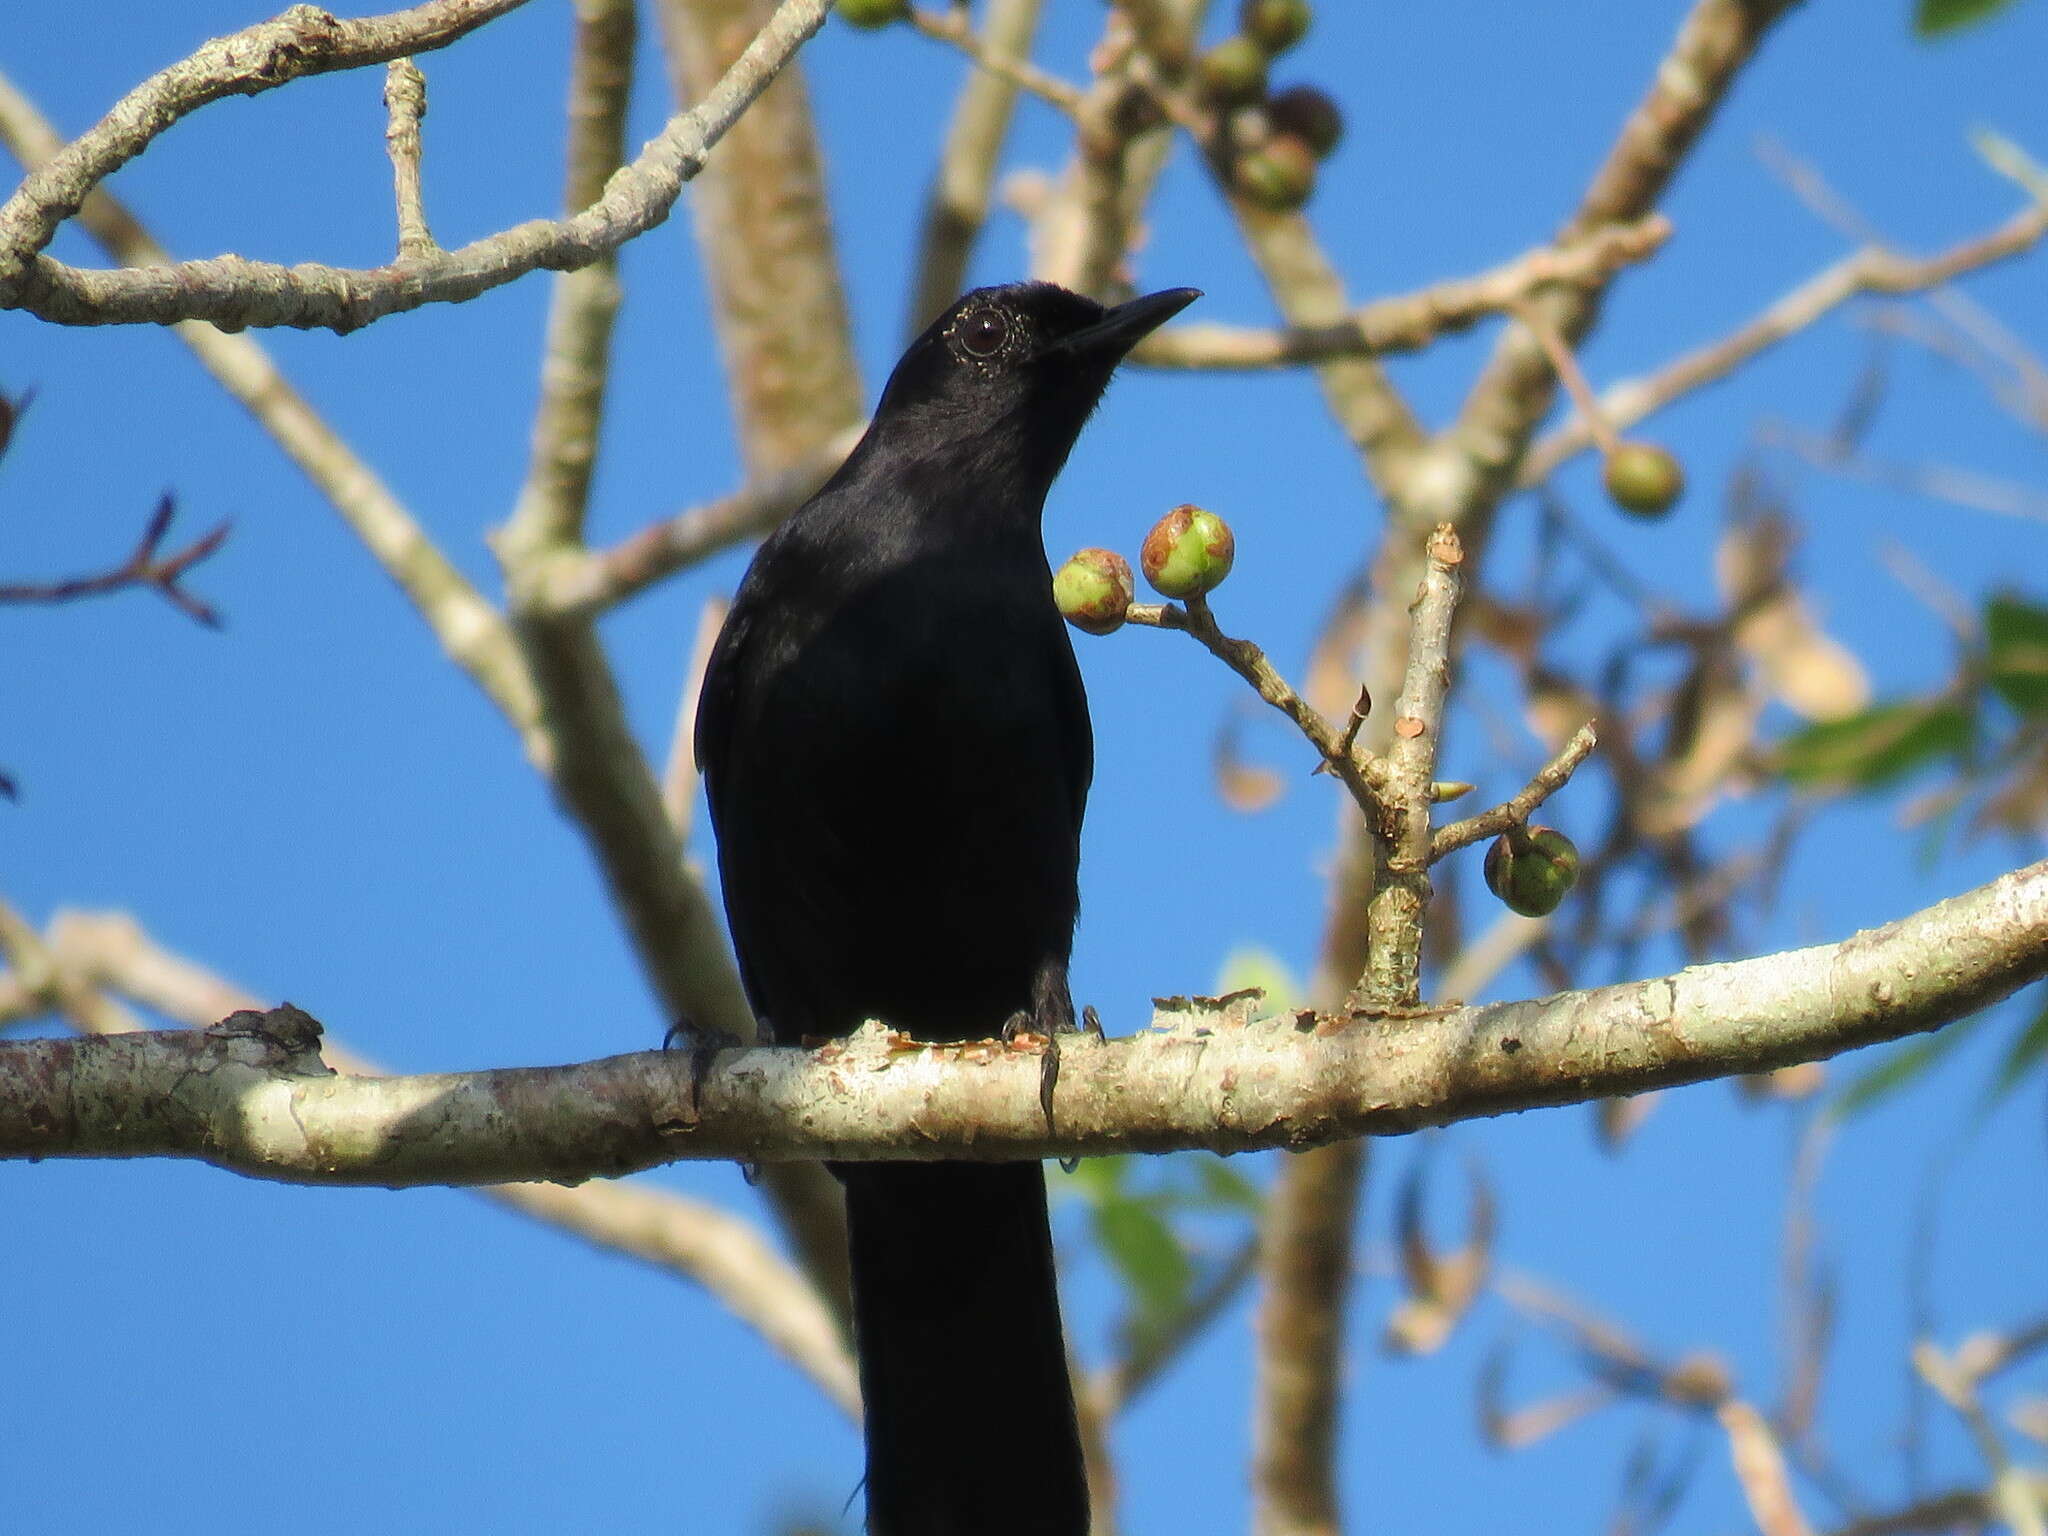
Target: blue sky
[314, 803]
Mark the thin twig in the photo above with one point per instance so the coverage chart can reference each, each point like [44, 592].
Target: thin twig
[547, 520]
[2010, 1489]
[143, 568]
[1870, 270]
[955, 27]
[596, 580]
[1549, 779]
[1359, 771]
[405, 102]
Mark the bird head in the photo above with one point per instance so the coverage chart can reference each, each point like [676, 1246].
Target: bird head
[1017, 369]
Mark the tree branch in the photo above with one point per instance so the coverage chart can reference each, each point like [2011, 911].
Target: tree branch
[252, 1094]
[1870, 270]
[144, 567]
[86, 956]
[233, 292]
[1411, 321]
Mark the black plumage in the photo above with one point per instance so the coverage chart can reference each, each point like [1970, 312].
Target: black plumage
[897, 754]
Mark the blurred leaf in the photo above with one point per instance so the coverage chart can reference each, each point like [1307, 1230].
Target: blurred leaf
[1899, 1068]
[1223, 1185]
[1877, 745]
[1937, 18]
[2021, 1057]
[1253, 965]
[2016, 647]
[1617, 1119]
[1245, 787]
[1149, 1258]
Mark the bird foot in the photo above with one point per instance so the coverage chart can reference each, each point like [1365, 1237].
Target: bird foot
[702, 1044]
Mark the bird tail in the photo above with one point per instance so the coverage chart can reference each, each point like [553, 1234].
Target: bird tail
[963, 1369]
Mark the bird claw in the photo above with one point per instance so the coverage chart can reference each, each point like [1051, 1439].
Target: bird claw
[703, 1045]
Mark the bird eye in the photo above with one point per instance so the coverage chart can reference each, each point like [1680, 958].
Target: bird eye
[983, 333]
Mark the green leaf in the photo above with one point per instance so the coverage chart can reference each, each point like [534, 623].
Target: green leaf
[1250, 965]
[1883, 743]
[1899, 1068]
[1937, 18]
[1223, 1185]
[2026, 1053]
[2016, 651]
[1146, 1254]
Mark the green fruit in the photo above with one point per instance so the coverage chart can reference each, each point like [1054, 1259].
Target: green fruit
[1531, 869]
[1093, 590]
[869, 14]
[1279, 174]
[1234, 72]
[1188, 552]
[1275, 25]
[1309, 115]
[1643, 480]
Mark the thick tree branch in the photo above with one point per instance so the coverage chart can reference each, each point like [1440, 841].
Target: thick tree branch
[85, 957]
[233, 292]
[252, 1094]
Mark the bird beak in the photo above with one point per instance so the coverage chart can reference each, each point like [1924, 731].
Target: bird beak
[1128, 324]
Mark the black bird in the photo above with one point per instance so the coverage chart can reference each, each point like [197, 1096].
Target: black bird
[896, 750]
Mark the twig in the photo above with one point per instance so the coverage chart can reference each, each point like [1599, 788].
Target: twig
[1567, 369]
[1944, 1512]
[142, 568]
[1392, 977]
[1012, 67]
[2011, 1492]
[1760, 1469]
[1943, 482]
[1411, 321]
[405, 100]
[590, 582]
[1549, 779]
[234, 292]
[1870, 270]
[1359, 771]
[957, 205]
[548, 518]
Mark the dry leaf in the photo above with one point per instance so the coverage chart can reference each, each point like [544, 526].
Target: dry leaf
[1246, 787]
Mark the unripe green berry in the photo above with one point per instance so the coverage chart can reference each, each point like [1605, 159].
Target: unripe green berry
[1643, 479]
[869, 14]
[1531, 869]
[1275, 25]
[1188, 552]
[1279, 174]
[1234, 72]
[1308, 115]
[1093, 590]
